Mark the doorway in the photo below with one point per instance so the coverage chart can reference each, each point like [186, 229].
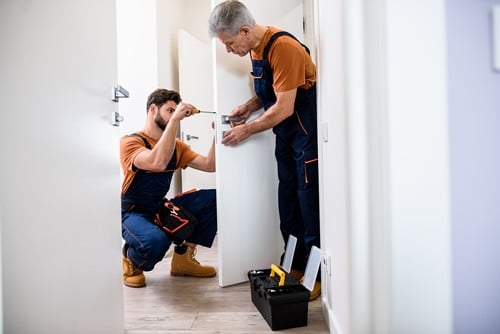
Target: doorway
[148, 57]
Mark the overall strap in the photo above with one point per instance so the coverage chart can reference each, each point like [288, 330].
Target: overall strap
[171, 164]
[274, 37]
[148, 146]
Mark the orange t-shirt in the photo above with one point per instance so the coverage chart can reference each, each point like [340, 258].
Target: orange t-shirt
[130, 146]
[292, 65]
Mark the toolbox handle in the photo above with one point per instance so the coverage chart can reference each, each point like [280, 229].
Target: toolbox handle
[275, 269]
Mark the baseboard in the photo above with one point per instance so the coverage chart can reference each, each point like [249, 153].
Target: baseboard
[330, 319]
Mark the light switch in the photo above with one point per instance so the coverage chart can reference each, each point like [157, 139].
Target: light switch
[324, 132]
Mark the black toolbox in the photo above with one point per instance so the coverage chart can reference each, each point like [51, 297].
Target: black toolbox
[281, 299]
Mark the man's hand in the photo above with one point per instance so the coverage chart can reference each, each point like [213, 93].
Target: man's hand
[183, 110]
[236, 135]
[242, 112]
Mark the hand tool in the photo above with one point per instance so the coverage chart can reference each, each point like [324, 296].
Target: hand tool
[197, 111]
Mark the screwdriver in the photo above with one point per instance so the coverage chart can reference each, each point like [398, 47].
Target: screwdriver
[197, 111]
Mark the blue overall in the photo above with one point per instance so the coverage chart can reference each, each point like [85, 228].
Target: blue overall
[147, 243]
[296, 154]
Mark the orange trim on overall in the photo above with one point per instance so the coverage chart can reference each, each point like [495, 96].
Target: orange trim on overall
[300, 122]
[305, 168]
[186, 192]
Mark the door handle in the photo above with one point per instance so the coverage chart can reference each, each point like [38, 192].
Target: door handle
[189, 137]
[225, 119]
[118, 92]
[116, 118]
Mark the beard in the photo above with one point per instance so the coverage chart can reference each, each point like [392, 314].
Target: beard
[160, 122]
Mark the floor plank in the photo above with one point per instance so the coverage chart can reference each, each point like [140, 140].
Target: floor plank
[179, 305]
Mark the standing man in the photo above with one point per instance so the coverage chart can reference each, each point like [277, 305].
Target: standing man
[285, 85]
[148, 160]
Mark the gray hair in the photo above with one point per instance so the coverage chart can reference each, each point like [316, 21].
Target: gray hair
[228, 17]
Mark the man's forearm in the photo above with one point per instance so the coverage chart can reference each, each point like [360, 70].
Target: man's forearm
[211, 157]
[253, 104]
[163, 150]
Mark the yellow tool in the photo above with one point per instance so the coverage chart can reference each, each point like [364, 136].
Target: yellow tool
[281, 273]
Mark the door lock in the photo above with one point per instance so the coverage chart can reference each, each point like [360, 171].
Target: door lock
[226, 119]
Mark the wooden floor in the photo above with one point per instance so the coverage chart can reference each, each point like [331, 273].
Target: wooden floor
[178, 305]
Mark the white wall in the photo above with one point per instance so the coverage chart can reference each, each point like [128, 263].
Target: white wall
[190, 15]
[333, 167]
[386, 215]
[1, 283]
[475, 165]
[137, 59]
[418, 161]
[169, 15]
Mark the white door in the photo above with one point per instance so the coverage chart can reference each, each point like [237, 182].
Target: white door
[59, 180]
[196, 87]
[248, 223]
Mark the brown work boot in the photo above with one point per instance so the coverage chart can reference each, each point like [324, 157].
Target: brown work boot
[132, 276]
[186, 265]
[297, 274]
[316, 291]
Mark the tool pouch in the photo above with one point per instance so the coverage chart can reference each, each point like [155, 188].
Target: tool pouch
[177, 222]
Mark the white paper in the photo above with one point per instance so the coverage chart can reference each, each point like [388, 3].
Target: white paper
[312, 268]
[289, 252]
